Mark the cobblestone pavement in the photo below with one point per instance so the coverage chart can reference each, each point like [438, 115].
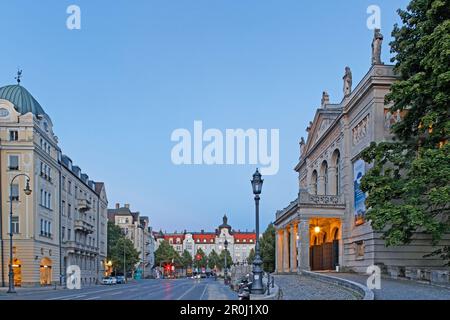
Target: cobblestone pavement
[392, 289]
[296, 287]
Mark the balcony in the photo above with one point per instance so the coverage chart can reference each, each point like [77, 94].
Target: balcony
[76, 247]
[83, 205]
[82, 225]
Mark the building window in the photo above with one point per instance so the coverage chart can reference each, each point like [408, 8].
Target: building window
[313, 185]
[338, 172]
[69, 211]
[13, 135]
[63, 208]
[69, 234]
[15, 192]
[63, 233]
[63, 183]
[13, 162]
[69, 187]
[49, 201]
[15, 225]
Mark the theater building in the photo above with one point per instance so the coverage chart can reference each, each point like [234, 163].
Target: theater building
[240, 243]
[325, 226]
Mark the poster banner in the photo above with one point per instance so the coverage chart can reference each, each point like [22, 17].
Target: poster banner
[359, 169]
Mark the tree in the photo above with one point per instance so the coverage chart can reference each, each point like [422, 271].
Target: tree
[408, 185]
[214, 260]
[121, 252]
[167, 254]
[229, 259]
[200, 263]
[251, 256]
[267, 244]
[186, 259]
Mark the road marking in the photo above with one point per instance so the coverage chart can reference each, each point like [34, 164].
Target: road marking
[204, 291]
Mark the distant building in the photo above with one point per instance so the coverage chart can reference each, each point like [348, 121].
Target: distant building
[137, 229]
[63, 221]
[239, 243]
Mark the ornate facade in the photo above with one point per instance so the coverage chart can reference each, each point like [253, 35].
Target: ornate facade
[137, 229]
[325, 227]
[239, 243]
[63, 220]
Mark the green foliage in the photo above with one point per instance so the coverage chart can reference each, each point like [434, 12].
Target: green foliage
[229, 259]
[202, 262]
[186, 259]
[167, 254]
[114, 234]
[251, 256]
[123, 251]
[408, 185]
[267, 245]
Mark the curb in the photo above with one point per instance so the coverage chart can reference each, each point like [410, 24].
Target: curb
[366, 293]
[273, 296]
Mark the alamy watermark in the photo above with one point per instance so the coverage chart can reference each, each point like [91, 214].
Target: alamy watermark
[234, 146]
[73, 22]
[374, 20]
[374, 280]
[73, 280]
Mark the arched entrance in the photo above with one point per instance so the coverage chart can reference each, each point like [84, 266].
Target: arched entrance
[17, 271]
[45, 271]
[324, 247]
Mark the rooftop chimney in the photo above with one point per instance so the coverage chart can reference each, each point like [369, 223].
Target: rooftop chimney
[127, 205]
[117, 205]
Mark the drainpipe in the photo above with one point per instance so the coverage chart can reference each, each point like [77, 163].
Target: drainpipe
[98, 235]
[1, 222]
[61, 271]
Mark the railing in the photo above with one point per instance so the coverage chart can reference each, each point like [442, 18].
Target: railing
[314, 199]
[83, 205]
[82, 225]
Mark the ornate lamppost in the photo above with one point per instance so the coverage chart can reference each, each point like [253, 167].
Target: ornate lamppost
[226, 271]
[257, 285]
[27, 191]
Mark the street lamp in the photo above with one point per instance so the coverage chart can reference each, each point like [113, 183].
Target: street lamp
[226, 272]
[257, 286]
[27, 192]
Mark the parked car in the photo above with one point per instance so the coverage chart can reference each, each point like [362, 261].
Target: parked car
[109, 280]
[120, 279]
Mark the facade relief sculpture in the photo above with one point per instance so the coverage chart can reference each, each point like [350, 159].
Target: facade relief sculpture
[376, 47]
[359, 132]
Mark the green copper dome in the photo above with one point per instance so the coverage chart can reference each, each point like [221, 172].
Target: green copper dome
[22, 100]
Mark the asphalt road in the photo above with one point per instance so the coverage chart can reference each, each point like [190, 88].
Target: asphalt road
[158, 289]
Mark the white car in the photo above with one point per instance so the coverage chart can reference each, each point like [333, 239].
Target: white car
[109, 280]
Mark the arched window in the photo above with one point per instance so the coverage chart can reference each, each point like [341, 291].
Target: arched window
[336, 234]
[314, 182]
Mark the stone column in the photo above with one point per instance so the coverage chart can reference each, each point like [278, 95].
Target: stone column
[293, 248]
[279, 251]
[332, 181]
[321, 184]
[285, 250]
[303, 248]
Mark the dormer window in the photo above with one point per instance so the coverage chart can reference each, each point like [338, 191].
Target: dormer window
[13, 162]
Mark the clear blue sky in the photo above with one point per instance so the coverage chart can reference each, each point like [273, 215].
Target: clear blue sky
[137, 70]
